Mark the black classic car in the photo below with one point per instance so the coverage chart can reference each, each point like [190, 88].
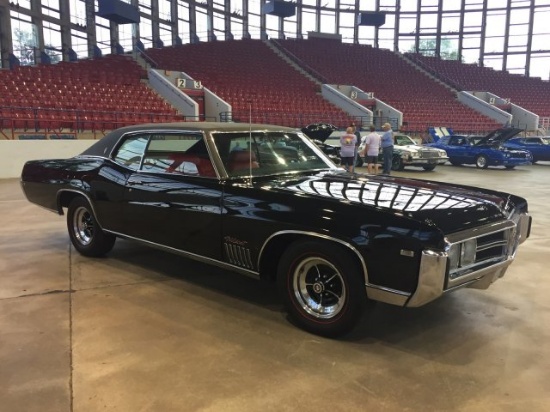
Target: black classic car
[266, 202]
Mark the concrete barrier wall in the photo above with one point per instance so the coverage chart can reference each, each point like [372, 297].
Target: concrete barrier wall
[14, 153]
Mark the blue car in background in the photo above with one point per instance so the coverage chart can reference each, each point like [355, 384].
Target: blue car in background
[539, 146]
[486, 151]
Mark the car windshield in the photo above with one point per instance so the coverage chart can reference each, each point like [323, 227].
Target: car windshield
[402, 140]
[264, 153]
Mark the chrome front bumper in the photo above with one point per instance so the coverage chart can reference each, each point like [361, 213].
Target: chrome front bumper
[434, 279]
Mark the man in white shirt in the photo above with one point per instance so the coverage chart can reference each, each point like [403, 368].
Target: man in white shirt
[371, 149]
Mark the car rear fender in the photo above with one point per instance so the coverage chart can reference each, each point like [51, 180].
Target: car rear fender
[65, 196]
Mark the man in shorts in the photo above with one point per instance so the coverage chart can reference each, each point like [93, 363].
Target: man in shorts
[371, 148]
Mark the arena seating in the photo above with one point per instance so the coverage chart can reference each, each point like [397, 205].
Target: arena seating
[109, 92]
[254, 80]
[423, 101]
[528, 92]
[95, 94]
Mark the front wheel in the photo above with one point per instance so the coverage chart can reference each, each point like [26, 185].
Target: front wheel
[428, 168]
[322, 287]
[84, 231]
[509, 167]
[482, 162]
[397, 163]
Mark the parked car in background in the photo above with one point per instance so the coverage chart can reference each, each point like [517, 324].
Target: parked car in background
[486, 151]
[266, 202]
[539, 146]
[406, 152]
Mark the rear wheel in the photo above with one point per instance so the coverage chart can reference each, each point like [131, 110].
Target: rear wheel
[84, 231]
[428, 167]
[482, 162]
[509, 167]
[322, 287]
[455, 163]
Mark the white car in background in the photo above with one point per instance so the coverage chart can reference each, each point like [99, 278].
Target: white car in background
[406, 152]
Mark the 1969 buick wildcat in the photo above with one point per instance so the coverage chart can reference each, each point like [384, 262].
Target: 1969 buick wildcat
[266, 202]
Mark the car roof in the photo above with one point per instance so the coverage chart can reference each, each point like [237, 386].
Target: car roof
[106, 144]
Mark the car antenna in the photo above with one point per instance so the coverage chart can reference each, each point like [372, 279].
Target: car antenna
[250, 139]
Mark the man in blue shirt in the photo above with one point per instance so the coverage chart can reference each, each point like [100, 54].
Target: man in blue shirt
[386, 142]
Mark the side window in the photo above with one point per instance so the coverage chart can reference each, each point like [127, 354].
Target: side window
[178, 153]
[131, 151]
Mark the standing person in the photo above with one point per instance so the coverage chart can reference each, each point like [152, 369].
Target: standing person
[372, 147]
[386, 141]
[355, 132]
[358, 137]
[348, 142]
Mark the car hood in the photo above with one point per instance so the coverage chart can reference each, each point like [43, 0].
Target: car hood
[417, 148]
[448, 207]
[499, 136]
[319, 131]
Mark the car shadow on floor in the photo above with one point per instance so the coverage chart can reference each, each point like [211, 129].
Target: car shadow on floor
[409, 328]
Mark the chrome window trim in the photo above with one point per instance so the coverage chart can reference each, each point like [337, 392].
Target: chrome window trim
[209, 140]
[116, 146]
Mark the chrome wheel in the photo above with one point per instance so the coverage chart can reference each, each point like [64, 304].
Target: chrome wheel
[322, 286]
[83, 226]
[319, 288]
[86, 234]
[481, 162]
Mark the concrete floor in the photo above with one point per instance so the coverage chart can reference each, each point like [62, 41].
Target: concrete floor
[142, 330]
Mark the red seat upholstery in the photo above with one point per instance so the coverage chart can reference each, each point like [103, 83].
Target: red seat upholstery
[204, 166]
[241, 160]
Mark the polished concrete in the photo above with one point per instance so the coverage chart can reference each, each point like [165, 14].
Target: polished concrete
[142, 330]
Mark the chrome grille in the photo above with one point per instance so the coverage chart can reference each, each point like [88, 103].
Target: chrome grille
[429, 154]
[493, 244]
[238, 255]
